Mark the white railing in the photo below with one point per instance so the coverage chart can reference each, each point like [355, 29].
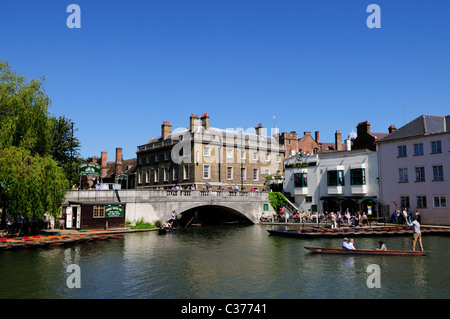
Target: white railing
[127, 195]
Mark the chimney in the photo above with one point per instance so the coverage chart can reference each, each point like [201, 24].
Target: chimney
[205, 121]
[392, 129]
[166, 129]
[317, 137]
[94, 160]
[104, 166]
[118, 161]
[194, 122]
[307, 133]
[259, 130]
[363, 128]
[338, 140]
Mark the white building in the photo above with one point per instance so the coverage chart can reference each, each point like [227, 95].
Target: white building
[334, 181]
[414, 164]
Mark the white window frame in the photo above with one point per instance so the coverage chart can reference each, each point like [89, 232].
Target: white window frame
[229, 173]
[206, 171]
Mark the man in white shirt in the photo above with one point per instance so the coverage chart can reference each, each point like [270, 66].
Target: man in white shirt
[346, 244]
[417, 234]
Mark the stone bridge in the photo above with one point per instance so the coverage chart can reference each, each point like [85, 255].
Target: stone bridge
[157, 205]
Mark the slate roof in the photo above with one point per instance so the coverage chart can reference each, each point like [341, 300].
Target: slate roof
[423, 125]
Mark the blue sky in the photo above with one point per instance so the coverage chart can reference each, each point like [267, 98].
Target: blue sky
[313, 64]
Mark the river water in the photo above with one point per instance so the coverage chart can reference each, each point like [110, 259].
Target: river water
[223, 262]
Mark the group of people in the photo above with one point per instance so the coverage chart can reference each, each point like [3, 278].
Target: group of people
[417, 237]
[350, 244]
[337, 220]
[172, 222]
[404, 216]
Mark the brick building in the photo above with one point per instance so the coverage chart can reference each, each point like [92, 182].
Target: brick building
[204, 156]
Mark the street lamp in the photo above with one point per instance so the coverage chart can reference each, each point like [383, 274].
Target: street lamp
[71, 155]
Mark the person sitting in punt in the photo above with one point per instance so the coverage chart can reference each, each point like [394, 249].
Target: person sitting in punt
[351, 243]
[382, 246]
[346, 244]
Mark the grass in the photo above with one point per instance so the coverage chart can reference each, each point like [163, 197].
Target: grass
[140, 224]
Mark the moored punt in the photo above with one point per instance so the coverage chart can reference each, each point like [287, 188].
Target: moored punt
[52, 240]
[342, 251]
[375, 231]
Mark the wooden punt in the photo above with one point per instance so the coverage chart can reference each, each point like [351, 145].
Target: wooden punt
[342, 251]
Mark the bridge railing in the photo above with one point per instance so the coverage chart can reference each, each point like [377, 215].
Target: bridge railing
[127, 195]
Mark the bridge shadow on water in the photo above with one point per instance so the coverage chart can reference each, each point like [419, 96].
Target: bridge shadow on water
[211, 215]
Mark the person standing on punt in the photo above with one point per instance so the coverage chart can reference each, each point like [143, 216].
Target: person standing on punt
[417, 234]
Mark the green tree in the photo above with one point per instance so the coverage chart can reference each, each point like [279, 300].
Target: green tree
[65, 146]
[32, 185]
[32, 182]
[24, 120]
[277, 200]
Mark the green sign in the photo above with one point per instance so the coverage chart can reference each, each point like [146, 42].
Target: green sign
[114, 211]
[89, 169]
[266, 207]
[121, 177]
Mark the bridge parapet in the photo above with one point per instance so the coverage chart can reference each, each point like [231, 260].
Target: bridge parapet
[137, 195]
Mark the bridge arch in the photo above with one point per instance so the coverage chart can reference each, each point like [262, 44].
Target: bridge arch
[208, 214]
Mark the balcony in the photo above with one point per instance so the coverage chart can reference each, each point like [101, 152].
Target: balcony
[359, 189]
[301, 191]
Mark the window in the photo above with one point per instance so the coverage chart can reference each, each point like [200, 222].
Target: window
[156, 158]
[401, 151]
[229, 153]
[229, 172]
[418, 149]
[140, 177]
[147, 159]
[438, 173]
[436, 147]
[140, 159]
[357, 176]
[300, 180]
[185, 172]
[206, 151]
[175, 173]
[439, 202]
[166, 156]
[403, 175]
[243, 155]
[308, 199]
[336, 178]
[166, 174]
[420, 174]
[404, 201]
[255, 174]
[206, 171]
[147, 176]
[156, 175]
[267, 157]
[421, 202]
[278, 158]
[255, 156]
[243, 175]
[99, 211]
